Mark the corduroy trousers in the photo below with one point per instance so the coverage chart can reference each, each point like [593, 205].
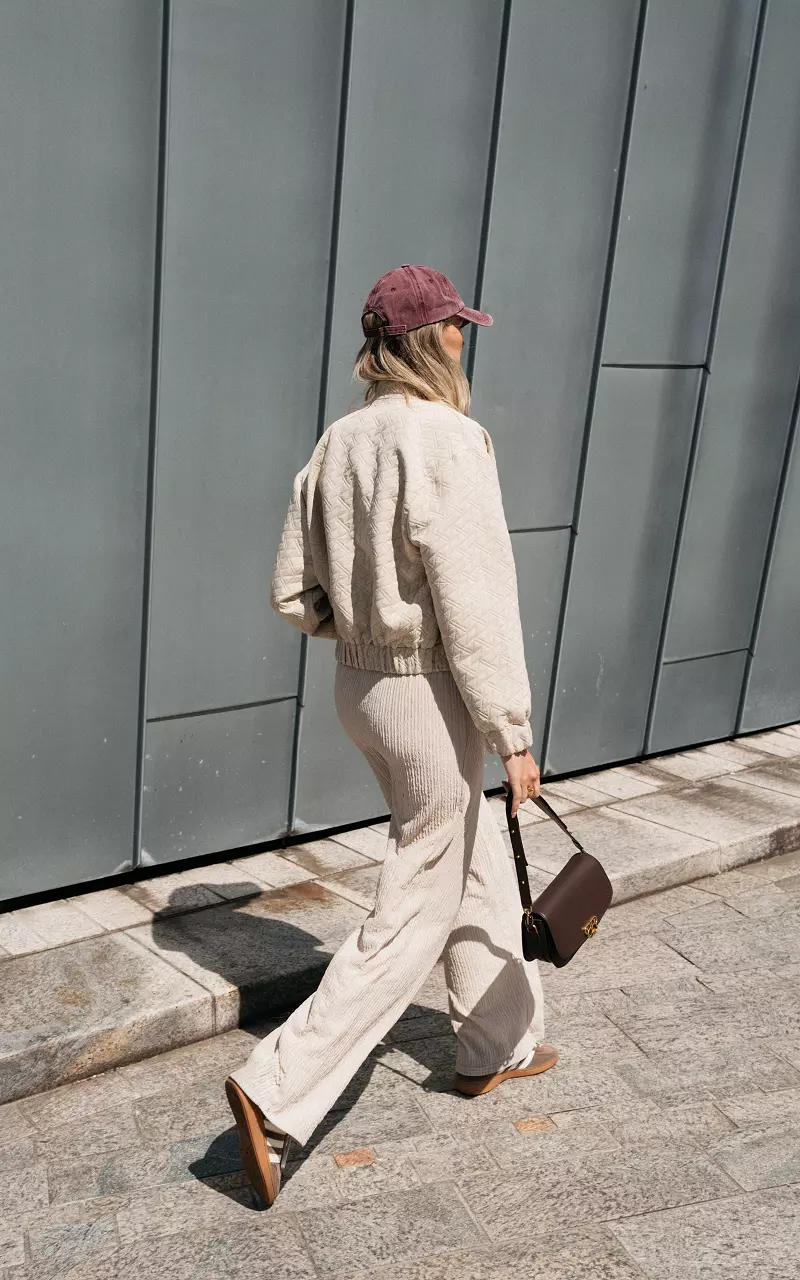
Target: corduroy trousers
[447, 889]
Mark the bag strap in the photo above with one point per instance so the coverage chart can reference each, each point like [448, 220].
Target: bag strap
[520, 861]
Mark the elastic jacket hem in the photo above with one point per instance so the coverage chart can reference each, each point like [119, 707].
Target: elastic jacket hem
[402, 662]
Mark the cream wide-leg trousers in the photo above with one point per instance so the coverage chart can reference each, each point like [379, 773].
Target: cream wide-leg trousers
[447, 889]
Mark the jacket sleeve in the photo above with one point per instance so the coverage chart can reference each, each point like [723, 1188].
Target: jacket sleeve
[466, 550]
[296, 591]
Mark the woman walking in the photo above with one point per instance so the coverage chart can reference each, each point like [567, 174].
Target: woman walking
[395, 545]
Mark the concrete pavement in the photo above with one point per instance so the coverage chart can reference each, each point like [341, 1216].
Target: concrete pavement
[664, 1145]
[120, 974]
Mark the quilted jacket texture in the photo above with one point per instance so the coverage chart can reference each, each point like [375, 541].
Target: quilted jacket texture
[395, 545]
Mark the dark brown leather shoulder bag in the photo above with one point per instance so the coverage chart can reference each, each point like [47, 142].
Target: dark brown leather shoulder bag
[568, 911]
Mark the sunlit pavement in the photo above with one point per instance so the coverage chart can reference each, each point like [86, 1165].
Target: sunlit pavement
[665, 1143]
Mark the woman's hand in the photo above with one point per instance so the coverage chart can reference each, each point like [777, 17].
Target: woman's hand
[523, 772]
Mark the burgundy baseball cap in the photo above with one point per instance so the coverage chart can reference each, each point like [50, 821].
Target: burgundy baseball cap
[409, 297]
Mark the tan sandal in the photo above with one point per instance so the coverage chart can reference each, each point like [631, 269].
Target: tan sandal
[546, 1056]
[263, 1159]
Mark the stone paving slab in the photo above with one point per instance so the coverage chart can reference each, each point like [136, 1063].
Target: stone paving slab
[739, 1238]
[140, 968]
[591, 1252]
[408, 1225]
[639, 856]
[761, 1158]
[548, 1197]
[737, 754]
[664, 1143]
[747, 822]
[259, 955]
[783, 776]
[69, 1012]
[774, 741]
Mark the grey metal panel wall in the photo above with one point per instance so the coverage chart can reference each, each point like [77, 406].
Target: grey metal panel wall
[773, 693]
[754, 371]
[334, 782]
[419, 122]
[690, 93]
[254, 93]
[483, 136]
[215, 782]
[638, 449]
[541, 560]
[417, 72]
[697, 701]
[564, 99]
[78, 151]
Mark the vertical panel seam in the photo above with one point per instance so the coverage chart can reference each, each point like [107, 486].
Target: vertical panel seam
[694, 444]
[155, 384]
[491, 170]
[738, 164]
[768, 554]
[336, 213]
[322, 405]
[616, 215]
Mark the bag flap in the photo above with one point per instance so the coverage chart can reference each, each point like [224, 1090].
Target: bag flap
[574, 901]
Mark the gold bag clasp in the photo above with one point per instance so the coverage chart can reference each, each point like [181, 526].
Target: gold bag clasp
[590, 928]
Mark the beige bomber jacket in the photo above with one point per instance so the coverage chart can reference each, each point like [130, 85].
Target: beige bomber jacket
[395, 545]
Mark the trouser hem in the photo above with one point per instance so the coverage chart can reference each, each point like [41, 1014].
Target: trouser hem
[525, 1047]
[271, 1116]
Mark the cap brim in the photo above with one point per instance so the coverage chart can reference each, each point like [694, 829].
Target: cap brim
[475, 317]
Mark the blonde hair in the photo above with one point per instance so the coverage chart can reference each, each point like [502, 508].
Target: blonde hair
[416, 362]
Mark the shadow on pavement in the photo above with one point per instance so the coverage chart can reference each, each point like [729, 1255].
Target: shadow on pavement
[275, 964]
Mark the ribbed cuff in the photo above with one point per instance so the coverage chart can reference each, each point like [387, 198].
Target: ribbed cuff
[514, 737]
